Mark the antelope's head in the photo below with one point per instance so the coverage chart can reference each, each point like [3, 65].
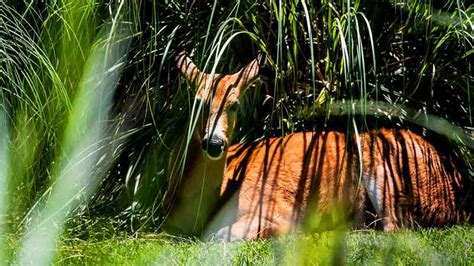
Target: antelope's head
[220, 95]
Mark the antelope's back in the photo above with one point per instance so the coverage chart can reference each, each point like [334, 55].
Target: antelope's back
[418, 183]
[280, 179]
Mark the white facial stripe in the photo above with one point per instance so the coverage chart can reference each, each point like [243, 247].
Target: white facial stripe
[217, 126]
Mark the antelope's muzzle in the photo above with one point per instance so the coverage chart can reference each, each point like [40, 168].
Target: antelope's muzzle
[214, 147]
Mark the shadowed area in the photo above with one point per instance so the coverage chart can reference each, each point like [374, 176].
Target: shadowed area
[385, 178]
[204, 151]
[270, 186]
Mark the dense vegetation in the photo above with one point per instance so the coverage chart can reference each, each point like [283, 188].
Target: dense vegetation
[91, 104]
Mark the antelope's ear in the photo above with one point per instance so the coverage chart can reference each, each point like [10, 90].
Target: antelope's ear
[251, 71]
[266, 71]
[187, 68]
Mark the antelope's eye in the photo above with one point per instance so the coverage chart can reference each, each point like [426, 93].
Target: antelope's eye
[233, 106]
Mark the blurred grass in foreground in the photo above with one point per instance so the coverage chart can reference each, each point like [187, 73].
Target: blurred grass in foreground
[72, 94]
[426, 246]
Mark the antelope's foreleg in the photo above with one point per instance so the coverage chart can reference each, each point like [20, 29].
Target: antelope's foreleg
[250, 227]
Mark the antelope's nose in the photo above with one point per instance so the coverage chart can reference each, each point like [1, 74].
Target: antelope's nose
[214, 147]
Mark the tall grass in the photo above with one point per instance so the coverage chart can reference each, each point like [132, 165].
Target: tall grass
[80, 166]
[61, 142]
[91, 108]
[3, 174]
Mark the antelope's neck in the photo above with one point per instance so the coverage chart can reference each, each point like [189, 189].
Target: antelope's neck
[199, 191]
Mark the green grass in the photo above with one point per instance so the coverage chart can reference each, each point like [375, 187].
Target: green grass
[90, 109]
[426, 246]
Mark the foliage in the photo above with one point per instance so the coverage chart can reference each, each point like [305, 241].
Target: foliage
[428, 246]
[91, 105]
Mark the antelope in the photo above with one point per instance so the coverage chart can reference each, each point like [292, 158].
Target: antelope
[270, 187]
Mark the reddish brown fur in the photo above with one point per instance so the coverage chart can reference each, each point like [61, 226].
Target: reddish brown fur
[269, 187]
[279, 180]
[198, 193]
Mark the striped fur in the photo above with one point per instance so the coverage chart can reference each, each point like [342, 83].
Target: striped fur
[271, 185]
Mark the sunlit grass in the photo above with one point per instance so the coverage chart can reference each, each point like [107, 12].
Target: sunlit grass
[427, 246]
[80, 150]
[79, 168]
[3, 175]
[64, 64]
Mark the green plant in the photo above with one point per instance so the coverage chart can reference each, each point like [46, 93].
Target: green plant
[117, 139]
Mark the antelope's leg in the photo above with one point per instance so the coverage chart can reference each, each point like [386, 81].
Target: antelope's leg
[379, 192]
[248, 227]
[380, 176]
[237, 221]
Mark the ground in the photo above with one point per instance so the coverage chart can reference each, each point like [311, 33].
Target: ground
[426, 246]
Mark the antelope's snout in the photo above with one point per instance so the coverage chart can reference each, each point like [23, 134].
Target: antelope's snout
[214, 147]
